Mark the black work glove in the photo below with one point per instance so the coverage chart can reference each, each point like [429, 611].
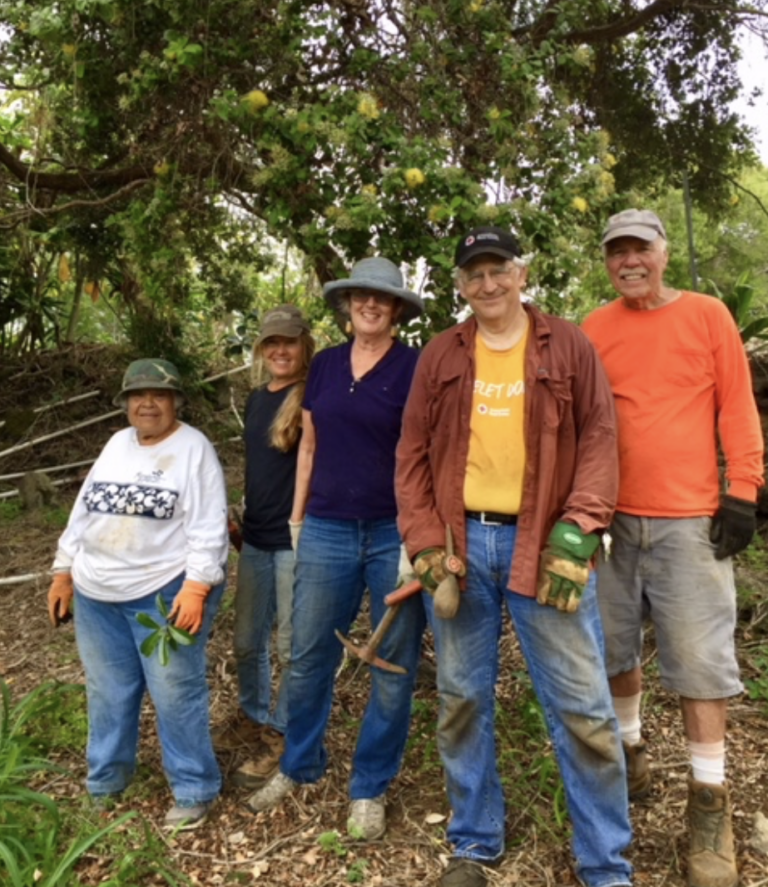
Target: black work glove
[733, 526]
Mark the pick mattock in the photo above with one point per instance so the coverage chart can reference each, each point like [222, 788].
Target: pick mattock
[367, 653]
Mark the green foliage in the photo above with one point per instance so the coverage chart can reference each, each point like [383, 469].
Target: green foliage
[42, 842]
[150, 144]
[10, 509]
[739, 303]
[330, 842]
[164, 637]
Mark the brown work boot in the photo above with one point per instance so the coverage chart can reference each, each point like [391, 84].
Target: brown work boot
[638, 771]
[236, 733]
[256, 771]
[712, 861]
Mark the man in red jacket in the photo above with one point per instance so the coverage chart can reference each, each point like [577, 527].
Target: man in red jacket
[509, 438]
[681, 380]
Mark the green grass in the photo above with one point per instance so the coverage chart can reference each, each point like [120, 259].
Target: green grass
[44, 840]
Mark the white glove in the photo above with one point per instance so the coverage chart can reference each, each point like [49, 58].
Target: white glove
[295, 527]
[405, 571]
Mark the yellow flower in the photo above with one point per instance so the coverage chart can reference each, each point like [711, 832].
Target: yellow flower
[161, 168]
[368, 107]
[435, 213]
[69, 50]
[609, 161]
[580, 204]
[414, 177]
[476, 5]
[494, 114]
[734, 200]
[370, 190]
[255, 100]
[64, 273]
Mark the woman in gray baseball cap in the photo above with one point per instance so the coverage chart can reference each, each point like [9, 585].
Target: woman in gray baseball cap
[272, 427]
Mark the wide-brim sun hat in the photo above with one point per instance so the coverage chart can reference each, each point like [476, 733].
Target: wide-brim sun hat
[378, 275]
[149, 372]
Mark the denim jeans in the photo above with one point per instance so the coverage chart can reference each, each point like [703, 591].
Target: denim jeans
[116, 677]
[336, 561]
[264, 590]
[564, 655]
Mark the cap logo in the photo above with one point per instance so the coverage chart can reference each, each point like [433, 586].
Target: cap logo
[470, 240]
[489, 236]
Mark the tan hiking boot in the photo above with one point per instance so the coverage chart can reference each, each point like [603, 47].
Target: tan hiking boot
[237, 733]
[638, 771]
[256, 771]
[712, 861]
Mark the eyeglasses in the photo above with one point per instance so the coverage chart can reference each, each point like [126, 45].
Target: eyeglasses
[499, 274]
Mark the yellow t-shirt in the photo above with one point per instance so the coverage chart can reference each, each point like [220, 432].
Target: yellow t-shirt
[496, 459]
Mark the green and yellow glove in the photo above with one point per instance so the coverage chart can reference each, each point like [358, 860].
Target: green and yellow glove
[433, 565]
[564, 566]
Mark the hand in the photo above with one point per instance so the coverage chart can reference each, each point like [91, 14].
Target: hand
[295, 527]
[189, 606]
[235, 527]
[433, 565]
[60, 596]
[564, 566]
[733, 526]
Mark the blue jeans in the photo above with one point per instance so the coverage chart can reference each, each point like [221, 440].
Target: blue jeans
[337, 560]
[116, 677]
[564, 654]
[264, 590]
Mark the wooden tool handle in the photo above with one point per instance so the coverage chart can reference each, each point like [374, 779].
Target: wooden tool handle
[400, 594]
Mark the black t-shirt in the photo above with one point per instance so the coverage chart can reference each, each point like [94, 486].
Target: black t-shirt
[270, 475]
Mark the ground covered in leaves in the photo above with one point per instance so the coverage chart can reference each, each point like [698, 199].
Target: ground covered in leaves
[303, 842]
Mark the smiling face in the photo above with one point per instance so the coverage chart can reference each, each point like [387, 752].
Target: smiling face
[152, 412]
[636, 269]
[283, 360]
[492, 287]
[373, 314]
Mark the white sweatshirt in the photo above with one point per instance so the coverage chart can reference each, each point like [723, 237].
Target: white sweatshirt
[144, 515]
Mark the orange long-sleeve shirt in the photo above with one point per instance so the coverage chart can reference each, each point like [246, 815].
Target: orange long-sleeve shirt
[680, 379]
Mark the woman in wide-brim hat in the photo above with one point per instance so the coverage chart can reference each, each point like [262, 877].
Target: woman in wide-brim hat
[345, 508]
[149, 522]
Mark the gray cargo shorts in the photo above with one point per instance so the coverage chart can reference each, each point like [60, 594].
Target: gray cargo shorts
[664, 570]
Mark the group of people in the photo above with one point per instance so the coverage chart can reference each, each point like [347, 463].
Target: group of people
[568, 475]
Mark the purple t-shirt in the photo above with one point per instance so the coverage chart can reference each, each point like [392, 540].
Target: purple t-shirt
[357, 426]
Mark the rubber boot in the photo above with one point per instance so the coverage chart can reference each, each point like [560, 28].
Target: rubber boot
[638, 772]
[712, 861]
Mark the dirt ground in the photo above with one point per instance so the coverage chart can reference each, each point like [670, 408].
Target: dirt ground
[281, 847]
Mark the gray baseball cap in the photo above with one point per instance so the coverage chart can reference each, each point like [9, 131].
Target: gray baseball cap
[640, 223]
[285, 320]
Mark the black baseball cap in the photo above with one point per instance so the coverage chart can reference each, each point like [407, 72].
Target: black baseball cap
[486, 239]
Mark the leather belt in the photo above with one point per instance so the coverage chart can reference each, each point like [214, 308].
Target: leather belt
[491, 518]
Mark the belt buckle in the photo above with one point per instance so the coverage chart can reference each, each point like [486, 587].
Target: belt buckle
[488, 523]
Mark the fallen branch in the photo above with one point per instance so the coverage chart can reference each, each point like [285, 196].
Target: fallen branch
[31, 443]
[29, 577]
[59, 403]
[50, 470]
[9, 494]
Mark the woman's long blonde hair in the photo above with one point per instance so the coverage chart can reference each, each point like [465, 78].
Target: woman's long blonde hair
[286, 426]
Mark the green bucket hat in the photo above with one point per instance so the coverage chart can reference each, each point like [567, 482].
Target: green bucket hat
[149, 372]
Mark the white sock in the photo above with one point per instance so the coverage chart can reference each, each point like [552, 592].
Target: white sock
[708, 761]
[627, 710]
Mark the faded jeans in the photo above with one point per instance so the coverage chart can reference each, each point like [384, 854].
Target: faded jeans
[564, 655]
[336, 561]
[264, 590]
[117, 675]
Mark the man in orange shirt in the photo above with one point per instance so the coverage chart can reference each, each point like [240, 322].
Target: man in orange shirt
[681, 382]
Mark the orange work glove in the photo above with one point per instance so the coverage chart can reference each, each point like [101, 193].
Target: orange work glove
[188, 606]
[60, 596]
